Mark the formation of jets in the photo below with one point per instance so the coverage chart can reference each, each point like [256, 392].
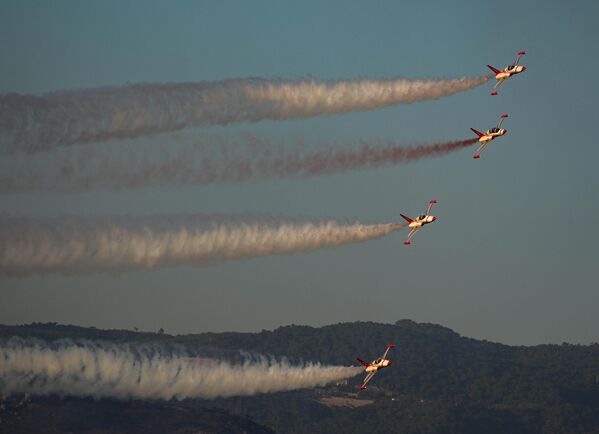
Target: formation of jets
[424, 219]
[501, 76]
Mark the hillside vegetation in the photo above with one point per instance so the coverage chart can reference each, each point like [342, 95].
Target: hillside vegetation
[440, 382]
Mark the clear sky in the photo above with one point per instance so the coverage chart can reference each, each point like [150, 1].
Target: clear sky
[513, 255]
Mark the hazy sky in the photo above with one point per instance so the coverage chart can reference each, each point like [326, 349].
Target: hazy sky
[513, 254]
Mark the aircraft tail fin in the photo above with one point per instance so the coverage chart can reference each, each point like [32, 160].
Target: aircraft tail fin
[366, 364]
[495, 70]
[406, 218]
[478, 133]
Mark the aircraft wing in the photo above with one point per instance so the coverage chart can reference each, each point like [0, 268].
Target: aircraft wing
[501, 119]
[428, 210]
[367, 379]
[479, 150]
[520, 54]
[497, 86]
[389, 346]
[410, 235]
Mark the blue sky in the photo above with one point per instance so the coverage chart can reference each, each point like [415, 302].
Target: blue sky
[513, 253]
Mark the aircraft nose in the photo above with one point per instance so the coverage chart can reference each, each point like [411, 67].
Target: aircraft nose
[504, 131]
[524, 68]
[434, 218]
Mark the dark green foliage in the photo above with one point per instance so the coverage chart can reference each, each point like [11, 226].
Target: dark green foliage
[53, 331]
[106, 416]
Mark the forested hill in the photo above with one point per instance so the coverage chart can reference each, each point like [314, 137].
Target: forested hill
[439, 380]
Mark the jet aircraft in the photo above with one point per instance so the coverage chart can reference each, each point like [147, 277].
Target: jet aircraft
[485, 138]
[416, 224]
[508, 72]
[373, 367]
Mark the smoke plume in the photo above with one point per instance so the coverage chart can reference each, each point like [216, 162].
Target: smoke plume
[124, 371]
[79, 245]
[200, 164]
[34, 123]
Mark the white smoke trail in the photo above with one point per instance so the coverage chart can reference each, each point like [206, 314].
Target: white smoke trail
[79, 245]
[122, 371]
[33, 123]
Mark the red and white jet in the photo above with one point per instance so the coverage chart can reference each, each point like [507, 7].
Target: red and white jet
[373, 367]
[416, 224]
[508, 71]
[486, 138]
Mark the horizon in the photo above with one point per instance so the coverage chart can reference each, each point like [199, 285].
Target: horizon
[165, 332]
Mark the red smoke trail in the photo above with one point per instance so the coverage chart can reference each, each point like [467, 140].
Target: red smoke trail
[335, 161]
[199, 164]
